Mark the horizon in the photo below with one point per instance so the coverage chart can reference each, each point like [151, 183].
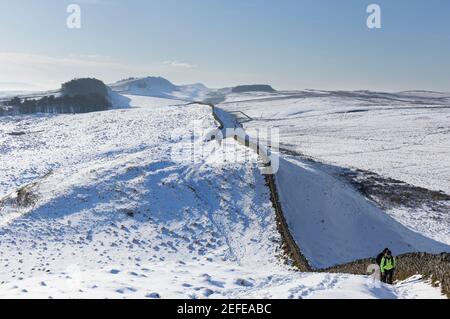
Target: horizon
[290, 45]
[29, 91]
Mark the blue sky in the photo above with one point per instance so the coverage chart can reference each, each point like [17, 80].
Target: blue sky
[291, 44]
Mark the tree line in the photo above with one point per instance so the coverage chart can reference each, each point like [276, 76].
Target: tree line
[77, 96]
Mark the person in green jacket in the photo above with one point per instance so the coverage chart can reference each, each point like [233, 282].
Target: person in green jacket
[387, 268]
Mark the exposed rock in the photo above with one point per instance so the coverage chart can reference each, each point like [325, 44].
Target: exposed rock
[253, 88]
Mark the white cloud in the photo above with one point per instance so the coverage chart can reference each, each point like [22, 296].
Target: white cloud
[90, 56]
[24, 71]
[46, 72]
[176, 64]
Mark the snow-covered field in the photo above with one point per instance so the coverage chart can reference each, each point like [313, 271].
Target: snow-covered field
[197, 280]
[404, 136]
[334, 224]
[111, 213]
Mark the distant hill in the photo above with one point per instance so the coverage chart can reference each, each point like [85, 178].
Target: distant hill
[160, 87]
[253, 88]
[76, 96]
[149, 85]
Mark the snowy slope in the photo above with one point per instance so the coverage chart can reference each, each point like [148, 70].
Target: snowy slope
[199, 280]
[403, 136]
[112, 195]
[126, 182]
[111, 212]
[333, 224]
[160, 87]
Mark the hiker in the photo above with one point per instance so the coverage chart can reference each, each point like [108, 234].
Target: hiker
[387, 268]
[378, 260]
[381, 255]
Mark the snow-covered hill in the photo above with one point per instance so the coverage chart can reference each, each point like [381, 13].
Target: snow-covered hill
[98, 205]
[334, 224]
[162, 88]
[403, 138]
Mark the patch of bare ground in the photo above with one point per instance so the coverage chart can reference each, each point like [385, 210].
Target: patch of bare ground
[24, 197]
[385, 192]
[389, 193]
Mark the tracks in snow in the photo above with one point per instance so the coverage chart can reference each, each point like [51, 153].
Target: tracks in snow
[436, 267]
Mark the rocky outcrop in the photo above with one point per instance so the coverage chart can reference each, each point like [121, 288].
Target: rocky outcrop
[253, 88]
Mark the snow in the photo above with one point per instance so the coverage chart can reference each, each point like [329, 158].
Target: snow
[333, 224]
[32, 95]
[216, 281]
[160, 87]
[113, 194]
[188, 280]
[415, 288]
[10, 94]
[114, 214]
[403, 136]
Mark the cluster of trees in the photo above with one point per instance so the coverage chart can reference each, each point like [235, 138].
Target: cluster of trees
[78, 96]
[84, 87]
[3, 111]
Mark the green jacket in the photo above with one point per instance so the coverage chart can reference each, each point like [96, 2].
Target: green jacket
[387, 264]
